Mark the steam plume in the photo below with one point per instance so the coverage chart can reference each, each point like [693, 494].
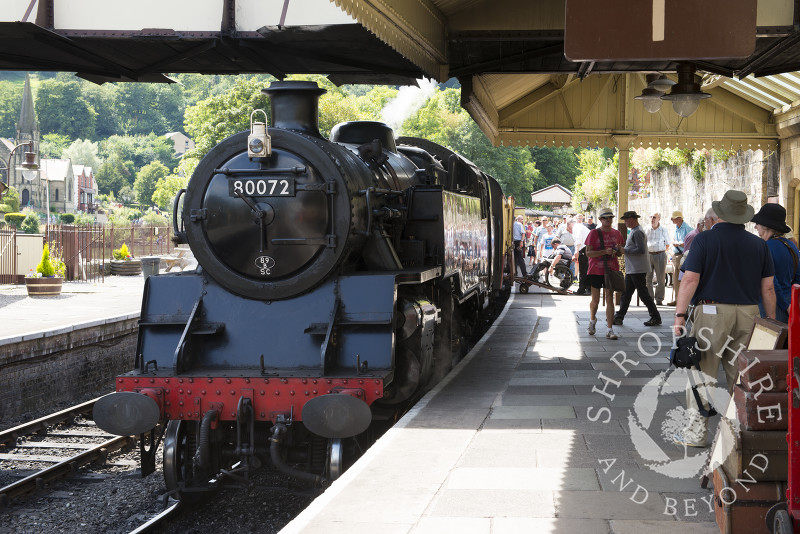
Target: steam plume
[409, 100]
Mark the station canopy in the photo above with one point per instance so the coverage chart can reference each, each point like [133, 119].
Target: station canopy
[530, 73]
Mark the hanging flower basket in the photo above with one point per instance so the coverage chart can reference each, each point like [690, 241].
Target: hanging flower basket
[126, 267]
[46, 286]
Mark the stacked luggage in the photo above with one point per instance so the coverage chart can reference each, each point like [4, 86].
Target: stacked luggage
[752, 477]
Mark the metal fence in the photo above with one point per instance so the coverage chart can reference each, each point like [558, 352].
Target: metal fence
[86, 249]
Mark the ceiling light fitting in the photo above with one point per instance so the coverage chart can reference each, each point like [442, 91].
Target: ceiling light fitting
[657, 85]
[686, 94]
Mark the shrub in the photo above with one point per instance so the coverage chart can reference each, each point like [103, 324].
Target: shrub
[14, 219]
[122, 253]
[152, 218]
[31, 224]
[45, 267]
[84, 219]
[67, 218]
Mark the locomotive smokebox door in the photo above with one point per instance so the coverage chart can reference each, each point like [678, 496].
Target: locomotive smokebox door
[336, 416]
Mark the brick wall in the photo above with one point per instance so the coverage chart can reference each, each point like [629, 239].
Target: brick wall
[38, 373]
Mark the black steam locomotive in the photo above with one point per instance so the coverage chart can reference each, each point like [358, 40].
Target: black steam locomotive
[337, 282]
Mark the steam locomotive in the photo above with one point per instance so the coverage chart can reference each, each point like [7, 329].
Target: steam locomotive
[337, 282]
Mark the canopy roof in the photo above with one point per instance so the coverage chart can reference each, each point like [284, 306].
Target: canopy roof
[509, 56]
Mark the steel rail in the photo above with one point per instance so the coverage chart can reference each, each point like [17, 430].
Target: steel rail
[156, 520]
[9, 437]
[62, 469]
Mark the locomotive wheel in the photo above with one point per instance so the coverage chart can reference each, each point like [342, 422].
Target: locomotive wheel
[179, 450]
[560, 278]
[335, 458]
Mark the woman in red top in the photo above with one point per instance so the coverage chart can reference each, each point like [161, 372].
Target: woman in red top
[613, 243]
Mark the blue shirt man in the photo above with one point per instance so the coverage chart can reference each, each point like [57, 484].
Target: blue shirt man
[682, 229]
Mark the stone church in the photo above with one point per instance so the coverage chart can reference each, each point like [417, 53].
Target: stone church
[53, 174]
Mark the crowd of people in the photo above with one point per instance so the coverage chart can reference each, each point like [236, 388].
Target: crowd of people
[591, 250]
[723, 277]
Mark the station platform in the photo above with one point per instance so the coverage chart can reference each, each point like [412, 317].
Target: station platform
[79, 305]
[515, 439]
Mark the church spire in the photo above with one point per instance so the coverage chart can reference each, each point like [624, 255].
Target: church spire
[27, 124]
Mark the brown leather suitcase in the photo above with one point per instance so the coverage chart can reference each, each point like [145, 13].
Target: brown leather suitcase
[761, 410]
[762, 456]
[742, 510]
[772, 363]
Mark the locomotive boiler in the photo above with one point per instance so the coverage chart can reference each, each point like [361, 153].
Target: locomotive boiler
[337, 282]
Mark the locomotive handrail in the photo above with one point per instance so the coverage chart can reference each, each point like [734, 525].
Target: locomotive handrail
[178, 231]
[281, 170]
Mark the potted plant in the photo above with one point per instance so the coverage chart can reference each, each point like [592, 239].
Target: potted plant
[124, 264]
[46, 281]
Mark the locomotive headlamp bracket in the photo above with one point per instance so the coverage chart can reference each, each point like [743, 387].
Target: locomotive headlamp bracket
[259, 144]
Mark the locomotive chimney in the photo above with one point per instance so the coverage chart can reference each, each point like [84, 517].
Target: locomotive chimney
[295, 105]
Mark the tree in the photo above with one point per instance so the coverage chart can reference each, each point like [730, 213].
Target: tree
[83, 152]
[62, 109]
[211, 120]
[101, 98]
[443, 120]
[126, 195]
[598, 178]
[145, 184]
[140, 150]
[558, 165]
[113, 175]
[53, 145]
[10, 105]
[145, 108]
[10, 201]
[166, 189]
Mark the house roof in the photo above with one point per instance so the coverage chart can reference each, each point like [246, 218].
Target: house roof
[552, 194]
[55, 170]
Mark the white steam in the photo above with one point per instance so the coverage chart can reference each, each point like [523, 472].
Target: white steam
[408, 101]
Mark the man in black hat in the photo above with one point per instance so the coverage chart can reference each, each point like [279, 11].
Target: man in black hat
[771, 225]
[726, 275]
[637, 263]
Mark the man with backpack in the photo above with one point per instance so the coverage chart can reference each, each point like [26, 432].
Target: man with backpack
[727, 274]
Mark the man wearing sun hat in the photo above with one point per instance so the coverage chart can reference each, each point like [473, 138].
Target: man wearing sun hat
[637, 264]
[771, 226]
[603, 247]
[727, 274]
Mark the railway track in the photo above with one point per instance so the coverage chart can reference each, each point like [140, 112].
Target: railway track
[54, 447]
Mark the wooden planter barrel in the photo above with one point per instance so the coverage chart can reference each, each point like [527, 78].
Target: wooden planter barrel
[44, 287]
[126, 268]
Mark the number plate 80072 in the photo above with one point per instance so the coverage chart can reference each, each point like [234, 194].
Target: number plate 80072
[261, 187]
